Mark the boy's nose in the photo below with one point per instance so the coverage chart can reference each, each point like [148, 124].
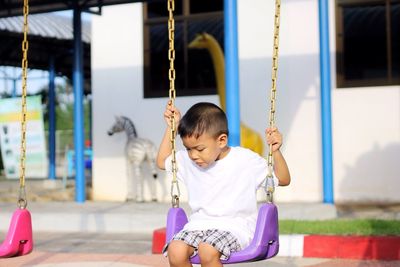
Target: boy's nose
[193, 155]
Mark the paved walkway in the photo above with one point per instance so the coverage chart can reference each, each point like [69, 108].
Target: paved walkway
[69, 234]
[53, 209]
[117, 217]
[47, 259]
[129, 217]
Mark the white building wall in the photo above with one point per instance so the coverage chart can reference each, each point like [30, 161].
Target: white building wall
[367, 144]
[366, 139]
[298, 95]
[365, 121]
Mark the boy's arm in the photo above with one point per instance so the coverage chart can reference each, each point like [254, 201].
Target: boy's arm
[164, 150]
[280, 168]
[165, 147]
[274, 138]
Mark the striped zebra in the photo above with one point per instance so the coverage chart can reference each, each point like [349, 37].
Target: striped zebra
[137, 150]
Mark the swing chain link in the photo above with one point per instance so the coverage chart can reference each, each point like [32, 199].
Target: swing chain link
[175, 191]
[22, 201]
[269, 184]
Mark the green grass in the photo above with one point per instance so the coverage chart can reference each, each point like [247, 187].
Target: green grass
[341, 227]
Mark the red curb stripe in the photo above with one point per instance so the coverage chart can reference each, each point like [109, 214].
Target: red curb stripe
[159, 236]
[352, 247]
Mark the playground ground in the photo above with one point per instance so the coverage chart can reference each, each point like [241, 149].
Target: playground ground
[99, 234]
[48, 259]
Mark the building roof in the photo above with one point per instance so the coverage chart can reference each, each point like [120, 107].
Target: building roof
[47, 26]
[10, 8]
[49, 36]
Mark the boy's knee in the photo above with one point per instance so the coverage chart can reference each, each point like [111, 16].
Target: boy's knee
[208, 253]
[178, 252]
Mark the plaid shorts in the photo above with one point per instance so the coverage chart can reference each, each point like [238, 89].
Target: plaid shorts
[222, 241]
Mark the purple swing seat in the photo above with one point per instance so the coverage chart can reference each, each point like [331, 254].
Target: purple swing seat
[265, 243]
[19, 240]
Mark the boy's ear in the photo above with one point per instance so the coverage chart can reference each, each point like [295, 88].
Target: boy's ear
[223, 140]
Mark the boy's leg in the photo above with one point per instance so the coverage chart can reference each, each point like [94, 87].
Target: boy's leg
[209, 256]
[179, 253]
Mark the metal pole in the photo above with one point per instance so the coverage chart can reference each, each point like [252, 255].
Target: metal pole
[14, 91]
[14, 79]
[232, 71]
[80, 184]
[52, 121]
[326, 121]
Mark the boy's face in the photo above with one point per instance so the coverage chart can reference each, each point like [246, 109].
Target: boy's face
[205, 149]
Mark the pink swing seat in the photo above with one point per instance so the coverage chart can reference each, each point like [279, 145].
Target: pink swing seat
[19, 240]
[265, 243]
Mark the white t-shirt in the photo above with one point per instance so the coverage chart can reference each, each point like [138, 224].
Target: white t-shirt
[223, 195]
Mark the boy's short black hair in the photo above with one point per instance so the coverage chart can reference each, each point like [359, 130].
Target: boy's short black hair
[203, 118]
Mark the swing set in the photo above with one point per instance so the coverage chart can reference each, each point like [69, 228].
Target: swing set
[19, 240]
[265, 243]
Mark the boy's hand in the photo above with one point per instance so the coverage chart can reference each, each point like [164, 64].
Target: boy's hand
[274, 137]
[172, 111]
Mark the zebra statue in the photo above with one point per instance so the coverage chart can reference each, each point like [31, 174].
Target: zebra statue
[137, 150]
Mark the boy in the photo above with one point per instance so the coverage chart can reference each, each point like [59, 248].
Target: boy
[221, 183]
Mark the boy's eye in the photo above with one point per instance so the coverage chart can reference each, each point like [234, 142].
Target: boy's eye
[197, 149]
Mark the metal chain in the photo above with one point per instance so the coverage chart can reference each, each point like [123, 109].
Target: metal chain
[175, 192]
[270, 187]
[22, 202]
[172, 94]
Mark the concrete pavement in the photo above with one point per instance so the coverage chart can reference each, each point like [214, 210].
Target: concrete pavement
[129, 217]
[69, 234]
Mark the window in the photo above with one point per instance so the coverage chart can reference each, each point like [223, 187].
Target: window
[367, 36]
[194, 67]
